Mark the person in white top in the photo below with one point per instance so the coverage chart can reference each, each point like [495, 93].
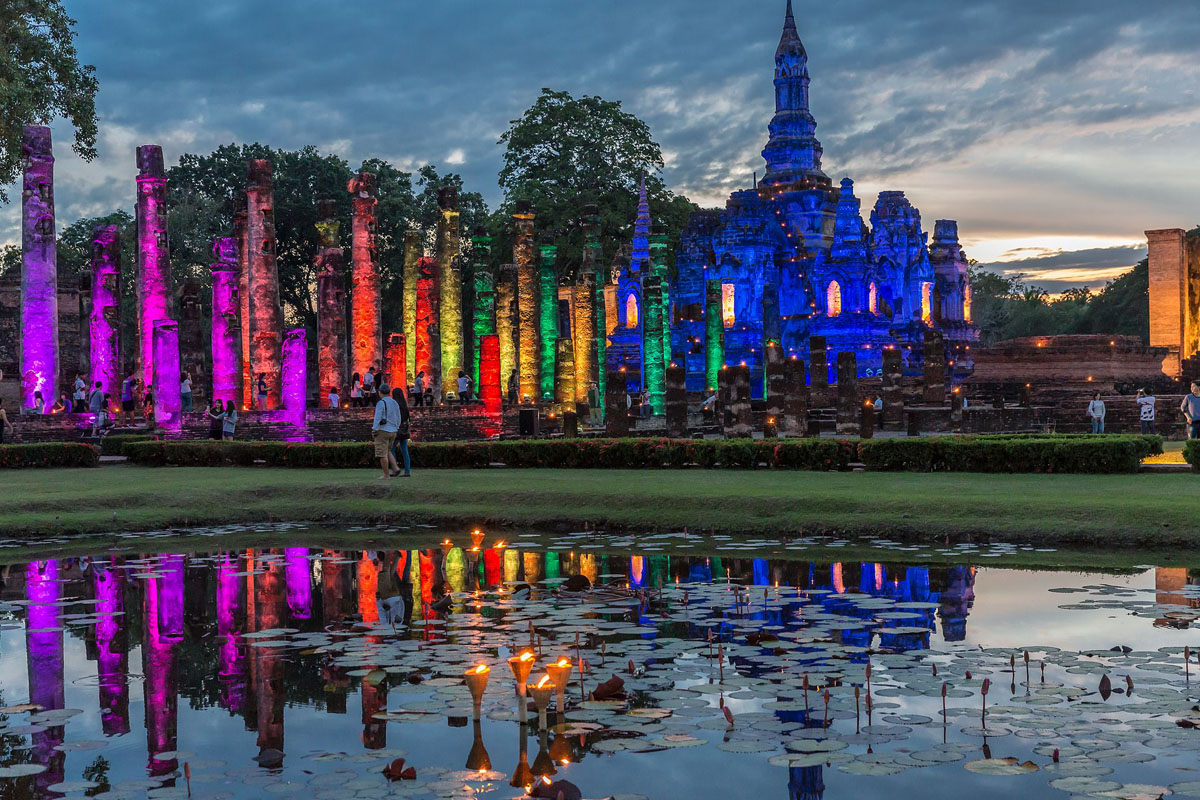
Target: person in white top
[1146, 410]
[356, 391]
[383, 431]
[463, 385]
[1095, 410]
[185, 392]
[80, 389]
[335, 400]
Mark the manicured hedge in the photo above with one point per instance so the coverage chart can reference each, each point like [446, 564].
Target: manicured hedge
[1191, 453]
[114, 444]
[1029, 453]
[48, 454]
[808, 454]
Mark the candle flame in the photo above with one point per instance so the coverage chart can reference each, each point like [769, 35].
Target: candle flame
[482, 668]
[545, 679]
[546, 780]
[564, 662]
[526, 656]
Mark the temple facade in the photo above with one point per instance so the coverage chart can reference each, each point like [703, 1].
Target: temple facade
[793, 258]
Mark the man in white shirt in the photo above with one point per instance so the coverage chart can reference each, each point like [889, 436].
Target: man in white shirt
[1146, 410]
[80, 390]
[383, 431]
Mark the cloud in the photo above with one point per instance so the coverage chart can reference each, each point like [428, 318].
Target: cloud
[1056, 270]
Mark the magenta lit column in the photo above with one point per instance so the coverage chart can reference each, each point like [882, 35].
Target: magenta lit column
[168, 404]
[112, 649]
[232, 669]
[226, 330]
[154, 266]
[295, 374]
[104, 331]
[163, 630]
[39, 270]
[266, 314]
[44, 660]
[299, 584]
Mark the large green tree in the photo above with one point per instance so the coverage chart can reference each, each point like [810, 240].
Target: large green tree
[41, 80]
[566, 152]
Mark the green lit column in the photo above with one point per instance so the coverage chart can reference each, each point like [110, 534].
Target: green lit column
[548, 313]
[483, 321]
[658, 268]
[412, 252]
[714, 334]
[654, 368]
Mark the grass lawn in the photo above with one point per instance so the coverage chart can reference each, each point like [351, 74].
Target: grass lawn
[1117, 511]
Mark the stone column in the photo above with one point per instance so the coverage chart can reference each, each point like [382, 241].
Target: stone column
[867, 420]
[483, 322]
[412, 254]
[658, 268]
[795, 399]
[241, 233]
[266, 313]
[653, 367]
[547, 318]
[583, 331]
[528, 361]
[39, 271]
[426, 321]
[616, 416]
[598, 330]
[226, 333]
[772, 327]
[104, 335]
[84, 364]
[714, 334]
[893, 393]
[506, 321]
[935, 368]
[366, 315]
[295, 375]
[847, 394]
[395, 361]
[193, 355]
[491, 384]
[676, 402]
[331, 305]
[449, 284]
[739, 420]
[564, 375]
[818, 369]
[167, 402]
[776, 384]
[154, 262]
[956, 411]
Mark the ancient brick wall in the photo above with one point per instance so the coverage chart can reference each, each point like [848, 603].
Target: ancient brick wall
[1174, 258]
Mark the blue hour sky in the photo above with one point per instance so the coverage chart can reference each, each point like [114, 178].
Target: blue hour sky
[1055, 132]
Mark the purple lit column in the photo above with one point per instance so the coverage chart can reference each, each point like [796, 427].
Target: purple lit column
[299, 584]
[295, 374]
[39, 271]
[44, 659]
[226, 333]
[163, 626]
[232, 668]
[167, 401]
[112, 651]
[154, 266]
[104, 330]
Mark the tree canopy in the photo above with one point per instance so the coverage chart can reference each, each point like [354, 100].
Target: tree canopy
[41, 80]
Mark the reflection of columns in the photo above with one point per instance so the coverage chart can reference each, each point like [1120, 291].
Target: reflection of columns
[806, 783]
[266, 314]
[450, 321]
[162, 630]
[154, 267]
[368, 589]
[299, 584]
[168, 404]
[955, 603]
[44, 661]
[269, 663]
[335, 587]
[104, 327]
[374, 701]
[226, 371]
[492, 574]
[38, 339]
[547, 319]
[512, 565]
[112, 649]
[331, 304]
[366, 318]
[241, 234]
[527, 302]
[412, 252]
[295, 374]
[231, 668]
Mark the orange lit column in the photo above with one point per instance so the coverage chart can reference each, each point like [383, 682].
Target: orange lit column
[396, 361]
[266, 314]
[528, 356]
[366, 316]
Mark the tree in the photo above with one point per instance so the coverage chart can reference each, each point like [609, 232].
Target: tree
[566, 152]
[41, 80]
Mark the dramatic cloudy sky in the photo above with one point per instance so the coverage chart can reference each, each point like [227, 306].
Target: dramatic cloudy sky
[1055, 132]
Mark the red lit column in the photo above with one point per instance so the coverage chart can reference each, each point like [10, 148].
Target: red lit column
[490, 386]
[426, 320]
[366, 316]
[266, 314]
[396, 361]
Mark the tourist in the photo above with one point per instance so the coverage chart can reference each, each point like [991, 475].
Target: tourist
[100, 419]
[127, 398]
[1191, 410]
[96, 398]
[419, 388]
[62, 405]
[383, 431]
[370, 390]
[644, 407]
[80, 390]
[38, 407]
[463, 384]
[878, 403]
[402, 433]
[185, 392]
[229, 421]
[5, 425]
[335, 399]
[262, 391]
[1145, 403]
[148, 404]
[708, 408]
[1095, 411]
[593, 399]
[216, 415]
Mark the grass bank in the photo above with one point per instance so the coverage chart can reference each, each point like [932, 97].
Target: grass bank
[1120, 511]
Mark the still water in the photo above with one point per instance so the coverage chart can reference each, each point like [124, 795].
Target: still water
[307, 672]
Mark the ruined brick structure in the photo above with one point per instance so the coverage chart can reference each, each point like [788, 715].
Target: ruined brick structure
[1174, 295]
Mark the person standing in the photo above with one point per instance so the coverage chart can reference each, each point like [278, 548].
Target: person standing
[513, 386]
[383, 431]
[370, 390]
[419, 388]
[463, 385]
[127, 388]
[229, 421]
[402, 433]
[100, 419]
[1146, 410]
[216, 416]
[593, 400]
[5, 425]
[335, 400]
[262, 391]
[1095, 410]
[80, 390]
[356, 391]
[1191, 410]
[185, 392]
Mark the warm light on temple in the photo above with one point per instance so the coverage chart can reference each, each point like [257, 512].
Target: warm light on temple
[833, 299]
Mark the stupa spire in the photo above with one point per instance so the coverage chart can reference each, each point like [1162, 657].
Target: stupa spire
[641, 231]
[793, 153]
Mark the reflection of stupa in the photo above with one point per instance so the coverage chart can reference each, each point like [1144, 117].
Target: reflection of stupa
[956, 602]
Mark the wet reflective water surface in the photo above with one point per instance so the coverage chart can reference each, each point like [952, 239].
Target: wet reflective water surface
[665, 670]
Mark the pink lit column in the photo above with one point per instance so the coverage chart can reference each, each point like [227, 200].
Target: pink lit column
[163, 630]
[154, 269]
[44, 660]
[112, 650]
[226, 333]
[232, 669]
[39, 271]
[105, 324]
[266, 314]
[295, 374]
[240, 234]
[167, 402]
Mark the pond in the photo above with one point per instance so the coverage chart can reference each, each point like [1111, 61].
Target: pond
[253, 667]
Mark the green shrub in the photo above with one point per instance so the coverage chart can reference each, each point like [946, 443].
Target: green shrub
[113, 445]
[1045, 454]
[48, 454]
[1191, 453]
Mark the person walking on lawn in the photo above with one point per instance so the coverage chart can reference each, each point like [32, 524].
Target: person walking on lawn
[402, 433]
[383, 431]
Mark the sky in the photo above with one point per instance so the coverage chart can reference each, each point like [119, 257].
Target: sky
[1055, 132]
